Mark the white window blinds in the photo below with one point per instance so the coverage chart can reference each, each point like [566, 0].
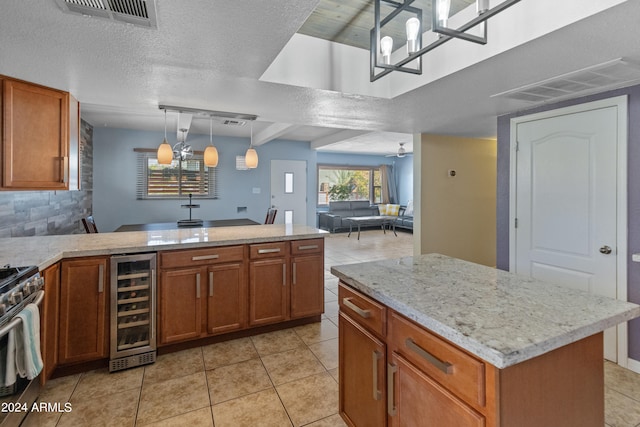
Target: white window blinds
[174, 181]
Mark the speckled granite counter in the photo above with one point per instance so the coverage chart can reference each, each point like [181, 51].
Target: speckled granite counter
[46, 250]
[500, 317]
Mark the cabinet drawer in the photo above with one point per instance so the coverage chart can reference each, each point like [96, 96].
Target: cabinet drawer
[363, 309]
[456, 370]
[310, 246]
[267, 250]
[170, 259]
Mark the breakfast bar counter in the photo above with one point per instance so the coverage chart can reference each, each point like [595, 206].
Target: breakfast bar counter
[44, 251]
[469, 345]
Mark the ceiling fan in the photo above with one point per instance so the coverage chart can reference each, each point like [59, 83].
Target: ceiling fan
[402, 152]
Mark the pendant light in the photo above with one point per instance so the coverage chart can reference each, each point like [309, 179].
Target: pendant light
[251, 156]
[165, 152]
[211, 152]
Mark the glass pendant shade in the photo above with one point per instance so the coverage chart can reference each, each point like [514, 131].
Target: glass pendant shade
[251, 158]
[211, 152]
[211, 156]
[165, 153]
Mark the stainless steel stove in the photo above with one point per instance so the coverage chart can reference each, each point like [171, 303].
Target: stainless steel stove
[19, 286]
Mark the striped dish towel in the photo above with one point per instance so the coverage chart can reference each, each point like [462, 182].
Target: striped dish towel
[27, 343]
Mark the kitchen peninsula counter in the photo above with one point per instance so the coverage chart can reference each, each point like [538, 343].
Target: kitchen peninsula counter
[498, 316]
[44, 251]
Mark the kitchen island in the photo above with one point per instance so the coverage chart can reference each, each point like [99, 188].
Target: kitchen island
[468, 345]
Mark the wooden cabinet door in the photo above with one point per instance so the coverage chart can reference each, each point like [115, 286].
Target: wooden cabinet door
[35, 136]
[307, 286]
[418, 400]
[180, 304]
[362, 375]
[227, 298]
[83, 316]
[268, 291]
[49, 314]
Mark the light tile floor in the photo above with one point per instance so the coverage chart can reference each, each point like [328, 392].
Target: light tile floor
[283, 378]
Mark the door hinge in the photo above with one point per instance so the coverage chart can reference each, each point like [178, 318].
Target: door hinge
[516, 222]
[517, 146]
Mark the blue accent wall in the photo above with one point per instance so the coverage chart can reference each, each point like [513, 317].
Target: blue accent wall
[633, 195]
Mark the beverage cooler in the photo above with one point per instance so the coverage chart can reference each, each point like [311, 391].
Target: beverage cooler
[133, 311]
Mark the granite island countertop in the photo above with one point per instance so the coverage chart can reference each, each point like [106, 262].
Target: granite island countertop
[44, 251]
[498, 316]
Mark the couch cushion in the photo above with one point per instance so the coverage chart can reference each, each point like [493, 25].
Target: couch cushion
[364, 212]
[339, 206]
[392, 210]
[360, 204]
[409, 210]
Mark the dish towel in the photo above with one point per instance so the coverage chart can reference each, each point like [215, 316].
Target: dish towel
[8, 364]
[27, 343]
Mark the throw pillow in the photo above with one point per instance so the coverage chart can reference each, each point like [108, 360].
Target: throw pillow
[382, 209]
[392, 210]
[409, 210]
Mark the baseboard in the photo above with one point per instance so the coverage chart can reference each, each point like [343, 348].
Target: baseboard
[633, 365]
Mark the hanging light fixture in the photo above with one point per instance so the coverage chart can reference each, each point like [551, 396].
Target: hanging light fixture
[381, 47]
[211, 152]
[251, 156]
[165, 152]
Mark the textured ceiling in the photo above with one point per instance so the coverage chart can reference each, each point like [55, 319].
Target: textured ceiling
[211, 55]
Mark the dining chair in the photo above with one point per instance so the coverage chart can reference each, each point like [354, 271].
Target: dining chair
[89, 225]
[271, 216]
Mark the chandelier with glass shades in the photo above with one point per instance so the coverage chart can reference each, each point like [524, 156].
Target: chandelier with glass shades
[388, 12]
[183, 151]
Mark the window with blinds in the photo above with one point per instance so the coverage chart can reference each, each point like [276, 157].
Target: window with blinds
[174, 181]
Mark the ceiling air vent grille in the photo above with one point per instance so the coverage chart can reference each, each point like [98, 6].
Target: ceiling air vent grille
[137, 12]
[231, 122]
[606, 76]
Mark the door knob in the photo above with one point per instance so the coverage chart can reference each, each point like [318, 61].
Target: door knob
[605, 250]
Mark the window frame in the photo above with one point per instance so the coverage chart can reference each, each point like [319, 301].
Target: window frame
[142, 177]
[326, 166]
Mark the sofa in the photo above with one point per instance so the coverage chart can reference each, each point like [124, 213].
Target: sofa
[333, 219]
[405, 221]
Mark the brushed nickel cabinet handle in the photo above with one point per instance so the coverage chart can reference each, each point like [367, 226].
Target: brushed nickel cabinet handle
[391, 407]
[445, 367]
[198, 285]
[362, 313]
[307, 247]
[204, 257]
[65, 170]
[377, 394]
[211, 283]
[284, 274]
[294, 273]
[101, 278]
[268, 251]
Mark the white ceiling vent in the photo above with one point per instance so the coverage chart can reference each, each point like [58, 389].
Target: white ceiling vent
[606, 76]
[137, 12]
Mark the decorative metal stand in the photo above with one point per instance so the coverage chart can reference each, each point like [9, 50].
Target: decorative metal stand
[190, 222]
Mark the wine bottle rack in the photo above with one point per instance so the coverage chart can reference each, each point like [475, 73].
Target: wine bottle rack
[133, 309]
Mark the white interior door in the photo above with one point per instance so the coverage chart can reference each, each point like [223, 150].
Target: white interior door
[566, 203]
[289, 191]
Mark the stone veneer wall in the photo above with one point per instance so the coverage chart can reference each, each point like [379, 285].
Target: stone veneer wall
[39, 213]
